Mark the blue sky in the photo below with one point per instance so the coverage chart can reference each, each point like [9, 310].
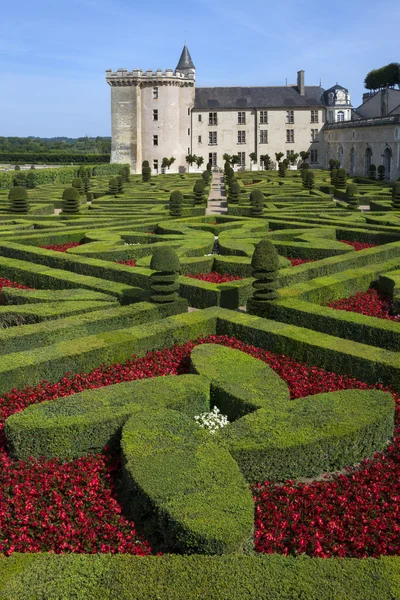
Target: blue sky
[53, 55]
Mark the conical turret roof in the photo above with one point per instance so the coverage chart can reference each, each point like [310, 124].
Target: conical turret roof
[185, 61]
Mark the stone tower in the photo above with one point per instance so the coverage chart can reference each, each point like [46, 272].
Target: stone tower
[151, 114]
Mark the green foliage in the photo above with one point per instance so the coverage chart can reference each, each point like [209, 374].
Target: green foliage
[381, 172]
[190, 159]
[209, 167]
[282, 169]
[113, 186]
[120, 184]
[163, 283]
[341, 178]
[199, 161]
[31, 180]
[256, 203]
[146, 173]
[234, 160]
[206, 175]
[387, 76]
[293, 157]
[71, 201]
[125, 174]
[396, 196]
[352, 195]
[78, 184]
[334, 173]
[234, 192]
[19, 200]
[304, 154]
[20, 179]
[198, 192]
[265, 266]
[253, 156]
[308, 180]
[86, 184]
[145, 163]
[372, 171]
[266, 160]
[278, 156]
[175, 203]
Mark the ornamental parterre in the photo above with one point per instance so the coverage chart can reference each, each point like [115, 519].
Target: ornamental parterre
[72, 507]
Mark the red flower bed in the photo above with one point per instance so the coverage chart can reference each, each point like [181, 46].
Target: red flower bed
[370, 303]
[299, 261]
[130, 263]
[358, 245]
[61, 247]
[48, 506]
[13, 284]
[214, 277]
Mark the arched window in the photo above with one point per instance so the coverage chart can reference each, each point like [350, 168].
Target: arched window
[367, 160]
[387, 161]
[340, 115]
[340, 154]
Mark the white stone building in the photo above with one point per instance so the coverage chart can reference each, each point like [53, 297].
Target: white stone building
[157, 114]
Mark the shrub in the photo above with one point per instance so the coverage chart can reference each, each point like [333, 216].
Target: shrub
[120, 184]
[309, 180]
[282, 169]
[209, 167]
[334, 177]
[78, 184]
[125, 173]
[372, 172]
[81, 172]
[256, 203]
[265, 267]
[341, 178]
[352, 194]
[31, 180]
[113, 186]
[19, 199]
[20, 179]
[305, 166]
[381, 172]
[331, 164]
[234, 192]
[17, 168]
[175, 204]
[70, 201]
[396, 196]
[163, 283]
[145, 163]
[229, 175]
[146, 171]
[198, 192]
[86, 184]
[206, 177]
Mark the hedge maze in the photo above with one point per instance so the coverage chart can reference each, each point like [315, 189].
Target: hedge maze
[113, 337]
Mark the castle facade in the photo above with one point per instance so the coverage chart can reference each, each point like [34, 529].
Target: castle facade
[157, 114]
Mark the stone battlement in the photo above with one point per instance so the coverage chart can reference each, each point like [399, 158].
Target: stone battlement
[125, 77]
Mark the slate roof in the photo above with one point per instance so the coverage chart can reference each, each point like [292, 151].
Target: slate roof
[257, 97]
[185, 61]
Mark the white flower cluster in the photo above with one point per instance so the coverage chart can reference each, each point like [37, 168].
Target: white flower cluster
[212, 420]
[136, 244]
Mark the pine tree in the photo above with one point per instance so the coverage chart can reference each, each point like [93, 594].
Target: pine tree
[163, 283]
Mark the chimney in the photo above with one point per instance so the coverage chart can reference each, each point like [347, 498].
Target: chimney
[300, 82]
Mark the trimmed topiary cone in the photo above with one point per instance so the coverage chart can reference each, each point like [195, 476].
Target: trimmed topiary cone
[175, 204]
[256, 203]
[120, 183]
[282, 169]
[352, 195]
[18, 199]
[396, 196]
[113, 186]
[206, 175]
[31, 180]
[163, 283]
[334, 177]
[146, 171]
[341, 179]
[198, 192]
[86, 184]
[70, 201]
[234, 192]
[78, 184]
[265, 266]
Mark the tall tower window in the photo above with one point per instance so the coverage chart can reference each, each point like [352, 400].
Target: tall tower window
[155, 93]
[155, 115]
[155, 140]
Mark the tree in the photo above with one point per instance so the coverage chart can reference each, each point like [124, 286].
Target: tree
[175, 203]
[206, 176]
[234, 192]
[278, 156]
[381, 172]
[229, 175]
[120, 184]
[282, 169]
[234, 160]
[167, 162]
[341, 179]
[78, 184]
[309, 180]
[256, 203]
[372, 171]
[209, 167]
[164, 286]
[352, 195]
[113, 187]
[387, 76]
[125, 174]
[334, 177]
[304, 154]
[86, 184]
[199, 161]
[266, 160]
[190, 159]
[18, 199]
[293, 157]
[198, 192]
[146, 171]
[396, 196]
[20, 179]
[265, 268]
[253, 156]
[31, 180]
[227, 158]
[331, 164]
[70, 201]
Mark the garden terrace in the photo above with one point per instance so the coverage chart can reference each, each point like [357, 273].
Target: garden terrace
[100, 385]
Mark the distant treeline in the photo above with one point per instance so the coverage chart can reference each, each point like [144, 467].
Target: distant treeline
[388, 76]
[52, 158]
[59, 145]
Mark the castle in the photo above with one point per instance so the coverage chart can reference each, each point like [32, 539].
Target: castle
[157, 114]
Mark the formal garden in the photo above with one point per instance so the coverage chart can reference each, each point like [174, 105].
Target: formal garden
[199, 405]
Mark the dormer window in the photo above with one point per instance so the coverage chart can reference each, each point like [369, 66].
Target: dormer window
[340, 116]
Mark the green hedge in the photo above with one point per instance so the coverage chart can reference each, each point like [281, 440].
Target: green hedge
[52, 158]
[269, 577]
[273, 438]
